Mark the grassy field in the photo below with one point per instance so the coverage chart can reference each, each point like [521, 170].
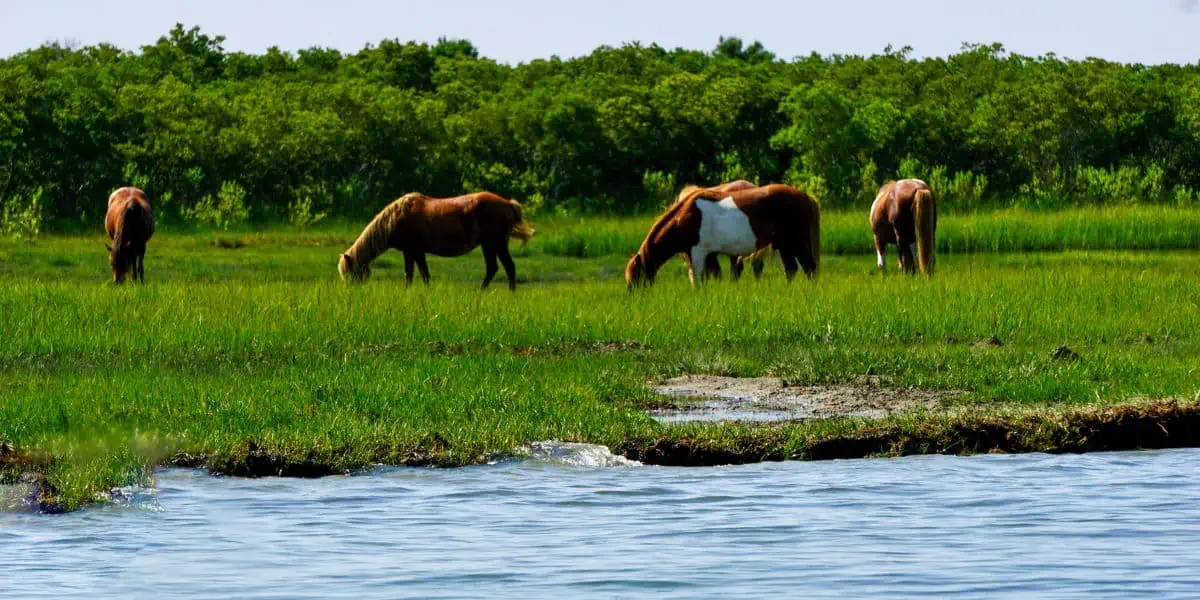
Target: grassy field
[246, 355]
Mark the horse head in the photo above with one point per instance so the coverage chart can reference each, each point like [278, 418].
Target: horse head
[352, 270]
[636, 273]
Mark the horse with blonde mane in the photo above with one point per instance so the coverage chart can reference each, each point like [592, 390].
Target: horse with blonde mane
[738, 223]
[417, 225]
[129, 223]
[737, 264]
[905, 214]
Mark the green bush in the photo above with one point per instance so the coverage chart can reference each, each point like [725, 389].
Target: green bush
[22, 217]
[1185, 197]
[1123, 185]
[962, 191]
[660, 187]
[227, 209]
[304, 210]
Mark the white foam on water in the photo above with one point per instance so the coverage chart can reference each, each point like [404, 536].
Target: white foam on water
[132, 496]
[575, 454]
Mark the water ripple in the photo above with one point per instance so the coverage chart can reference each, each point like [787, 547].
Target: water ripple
[564, 522]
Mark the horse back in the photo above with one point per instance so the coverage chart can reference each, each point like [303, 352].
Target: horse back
[454, 226]
[776, 200]
[769, 208]
[128, 207]
[905, 191]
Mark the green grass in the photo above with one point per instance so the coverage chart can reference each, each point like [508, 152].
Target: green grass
[232, 355]
[1013, 230]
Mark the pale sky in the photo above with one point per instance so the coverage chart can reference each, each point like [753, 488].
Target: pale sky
[1146, 31]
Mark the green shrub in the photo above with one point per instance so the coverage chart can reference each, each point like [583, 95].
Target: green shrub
[22, 218]
[660, 187]
[227, 209]
[303, 209]
[1123, 185]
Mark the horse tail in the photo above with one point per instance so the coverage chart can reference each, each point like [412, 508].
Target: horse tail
[520, 229]
[120, 223]
[925, 215]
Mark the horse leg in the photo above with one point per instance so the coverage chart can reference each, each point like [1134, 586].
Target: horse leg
[905, 239]
[789, 264]
[880, 250]
[510, 269]
[489, 257]
[141, 266]
[712, 266]
[699, 257]
[736, 267]
[904, 249]
[687, 258]
[757, 266]
[409, 263]
[422, 267]
[808, 262]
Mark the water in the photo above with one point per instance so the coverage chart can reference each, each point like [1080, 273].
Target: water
[1099, 525]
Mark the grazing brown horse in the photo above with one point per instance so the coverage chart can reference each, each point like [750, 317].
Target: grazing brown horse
[904, 213]
[129, 223]
[734, 223]
[712, 267]
[417, 224]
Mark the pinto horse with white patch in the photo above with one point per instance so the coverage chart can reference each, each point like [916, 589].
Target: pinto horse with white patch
[736, 223]
[712, 266]
[904, 213]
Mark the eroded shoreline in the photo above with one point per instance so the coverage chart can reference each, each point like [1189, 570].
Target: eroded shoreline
[1140, 425]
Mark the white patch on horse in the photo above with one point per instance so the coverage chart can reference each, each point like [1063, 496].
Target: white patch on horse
[878, 198]
[724, 229]
[880, 260]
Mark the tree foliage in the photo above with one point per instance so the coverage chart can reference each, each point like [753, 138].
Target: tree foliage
[320, 132]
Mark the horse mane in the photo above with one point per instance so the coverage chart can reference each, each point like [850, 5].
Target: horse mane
[670, 213]
[376, 237]
[687, 189]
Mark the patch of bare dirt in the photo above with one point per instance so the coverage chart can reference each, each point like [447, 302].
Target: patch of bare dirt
[988, 343]
[1136, 426]
[602, 347]
[715, 398]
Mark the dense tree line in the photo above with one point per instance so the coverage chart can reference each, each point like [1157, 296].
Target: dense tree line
[219, 136]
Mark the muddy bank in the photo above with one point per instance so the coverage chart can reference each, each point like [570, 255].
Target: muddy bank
[251, 459]
[713, 398]
[23, 486]
[1146, 426]
[29, 492]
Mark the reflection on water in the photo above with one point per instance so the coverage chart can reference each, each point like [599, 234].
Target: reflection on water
[567, 523]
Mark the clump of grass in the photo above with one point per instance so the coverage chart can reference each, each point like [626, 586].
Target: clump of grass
[590, 238]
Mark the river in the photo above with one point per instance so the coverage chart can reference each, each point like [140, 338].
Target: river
[573, 521]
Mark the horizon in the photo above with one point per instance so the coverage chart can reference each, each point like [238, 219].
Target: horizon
[1159, 32]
